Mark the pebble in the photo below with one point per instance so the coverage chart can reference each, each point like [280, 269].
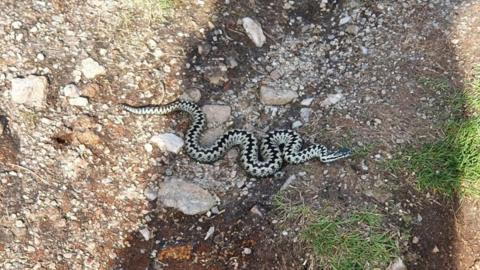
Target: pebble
[91, 69]
[247, 251]
[145, 232]
[435, 250]
[305, 114]
[397, 265]
[151, 44]
[415, 240]
[31, 91]
[307, 102]
[70, 90]
[210, 232]
[288, 182]
[331, 100]
[297, 124]
[344, 20]
[150, 193]
[217, 114]
[168, 142]
[192, 94]
[186, 197]
[19, 223]
[40, 57]
[16, 25]
[90, 90]
[271, 96]
[254, 31]
[148, 147]
[78, 101]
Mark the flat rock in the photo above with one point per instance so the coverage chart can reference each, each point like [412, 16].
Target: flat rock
[217, 114]
[31, 91]
[186, 197]
[78, 101]
[254, 31]
[168, 142]
[331, 100]
[91, 69]
[271, 96]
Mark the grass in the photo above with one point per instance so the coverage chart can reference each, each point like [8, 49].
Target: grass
[150, 10]
[354, 241]
[451, 165]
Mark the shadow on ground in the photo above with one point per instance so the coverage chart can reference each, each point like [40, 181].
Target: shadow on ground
[179, 240]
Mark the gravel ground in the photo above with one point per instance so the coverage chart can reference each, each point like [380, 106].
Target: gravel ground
[87, 186]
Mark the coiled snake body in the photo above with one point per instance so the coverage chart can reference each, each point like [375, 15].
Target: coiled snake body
[275, 148]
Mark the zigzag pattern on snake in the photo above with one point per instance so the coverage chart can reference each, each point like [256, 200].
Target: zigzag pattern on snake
[277, 147]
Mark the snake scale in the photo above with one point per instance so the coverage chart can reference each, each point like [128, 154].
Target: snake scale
[277, 147]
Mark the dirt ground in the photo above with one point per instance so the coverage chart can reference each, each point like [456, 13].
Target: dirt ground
[74, 178]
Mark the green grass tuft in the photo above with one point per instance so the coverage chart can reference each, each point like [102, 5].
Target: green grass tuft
[357, 241]
[151, 10]
[451, 165]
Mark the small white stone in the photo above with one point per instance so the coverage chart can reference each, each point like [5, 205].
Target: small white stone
[435, 250]
[145, 232]
[247, 251]
[168, 142]
[91, 69]
[331, 100]
[254, 31]
[297, 124]
[305, 114]
[415, 240]
[210, 232]
[16, 25]
[307, 102]
[70, 90]
[40, 57]
[78, 101]
[19, 223]
[150, 193]
[31, 90]
[345, 20]
[148, 147]
[158, 53]
[77, 75]
[151, 44]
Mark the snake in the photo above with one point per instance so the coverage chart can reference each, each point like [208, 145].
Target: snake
[258, 160]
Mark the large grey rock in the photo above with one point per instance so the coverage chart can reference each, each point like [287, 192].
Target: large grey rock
[254, 31]
[31, 91]
[168, 142]
[91, 69]
[187, 197]
[217, 114]
[271, 96]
